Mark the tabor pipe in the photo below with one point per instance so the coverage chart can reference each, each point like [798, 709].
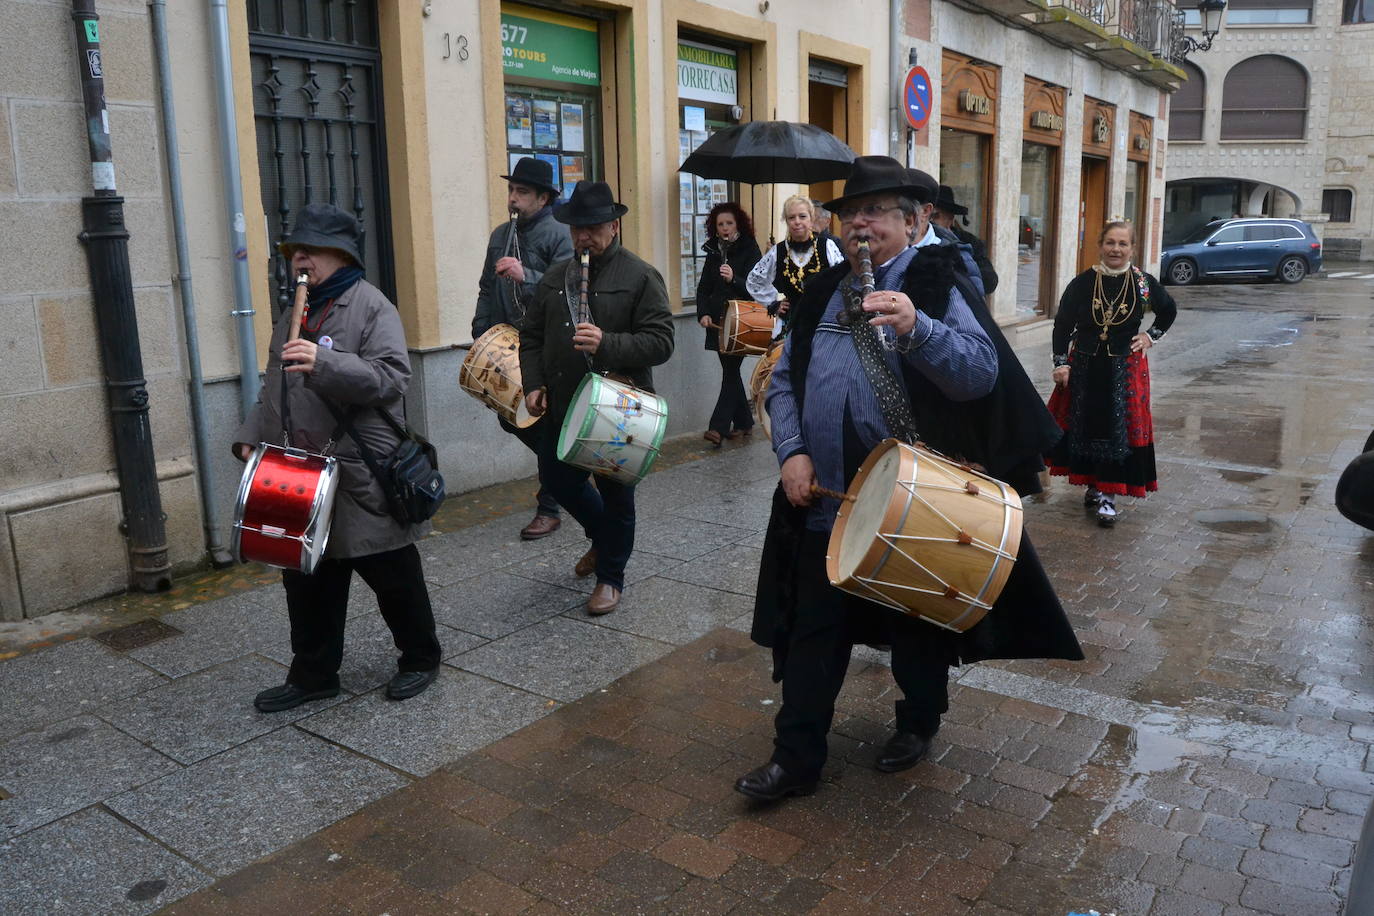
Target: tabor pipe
[298, 307]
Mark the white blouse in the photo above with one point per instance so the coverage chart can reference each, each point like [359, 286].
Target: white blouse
[760, 281]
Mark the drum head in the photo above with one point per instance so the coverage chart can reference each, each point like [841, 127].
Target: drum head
[865, 517]
[321, 517]
[577, 422]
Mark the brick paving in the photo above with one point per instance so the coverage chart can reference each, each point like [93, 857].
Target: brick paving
[1209, 756]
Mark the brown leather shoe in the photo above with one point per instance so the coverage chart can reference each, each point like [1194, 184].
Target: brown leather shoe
[740, 433]
[605, 598]
[541, 526]
[711, 436]
[587, 565]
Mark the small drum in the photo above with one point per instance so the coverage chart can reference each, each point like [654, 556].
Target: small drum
[613, 429]
[758, 385]
[284, 507]
[746, 329]
[926, 536]
[491, 374]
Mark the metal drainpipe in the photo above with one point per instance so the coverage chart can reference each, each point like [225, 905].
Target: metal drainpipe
[233, 203]
[219, 556]
[896, 148]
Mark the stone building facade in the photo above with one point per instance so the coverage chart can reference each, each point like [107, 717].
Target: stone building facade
[408, 113]
[1227, 162]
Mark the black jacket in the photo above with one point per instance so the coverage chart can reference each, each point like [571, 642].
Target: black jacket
[712, 290]
[1005, 431]
[980, 257]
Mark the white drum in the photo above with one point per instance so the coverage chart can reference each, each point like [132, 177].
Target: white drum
[613, 429]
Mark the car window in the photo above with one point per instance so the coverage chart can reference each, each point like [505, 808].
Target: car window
[1288, 232]
[1229, 234]
[1199, 234]
[1260, 233]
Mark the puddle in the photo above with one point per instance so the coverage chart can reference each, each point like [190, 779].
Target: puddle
[1234, 521]
[1140, 753]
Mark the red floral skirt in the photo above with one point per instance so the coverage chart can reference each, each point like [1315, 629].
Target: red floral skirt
[1108, 438]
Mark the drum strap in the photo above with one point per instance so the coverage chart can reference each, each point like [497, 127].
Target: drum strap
[887, 385]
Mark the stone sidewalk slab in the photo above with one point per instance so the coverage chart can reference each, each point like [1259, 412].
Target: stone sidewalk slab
[218, 631]
[66, 767]
[65, 681]
[91, 863]
[499, 603]
[237, 806]
[671, 611]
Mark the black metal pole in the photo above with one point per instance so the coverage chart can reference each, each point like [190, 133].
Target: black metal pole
[107, 254]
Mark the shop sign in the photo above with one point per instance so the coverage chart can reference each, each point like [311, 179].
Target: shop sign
[1102, 129]
[706, 73]
[541, 44]
[974, 104]
[1046, 120]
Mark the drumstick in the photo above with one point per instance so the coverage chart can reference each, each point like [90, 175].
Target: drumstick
[298, 307]
[818, 490]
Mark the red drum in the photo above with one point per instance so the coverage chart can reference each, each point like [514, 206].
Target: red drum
[284, 507]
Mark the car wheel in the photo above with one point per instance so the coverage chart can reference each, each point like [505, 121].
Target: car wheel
[1182, 272]
[1292, 269]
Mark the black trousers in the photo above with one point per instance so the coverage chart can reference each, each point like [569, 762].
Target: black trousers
[732, 405]
[822, 637]
[318, 607]
[605, 509]
[531, 436]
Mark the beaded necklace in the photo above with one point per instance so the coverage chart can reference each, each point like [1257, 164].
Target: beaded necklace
[1108, 312]
[797, 275]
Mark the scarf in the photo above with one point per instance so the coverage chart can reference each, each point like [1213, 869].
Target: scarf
[339, 282]
[1111, 271]
[799, 247]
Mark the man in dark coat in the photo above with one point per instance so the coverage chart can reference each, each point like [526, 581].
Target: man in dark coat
[968, 397]
[518, 253]
[631, 330]
[946, 208]
[351, 356]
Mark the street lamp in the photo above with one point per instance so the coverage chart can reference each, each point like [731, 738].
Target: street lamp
[1210, 14]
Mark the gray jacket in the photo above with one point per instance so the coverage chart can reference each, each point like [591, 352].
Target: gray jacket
[540, 243]
[367, 366]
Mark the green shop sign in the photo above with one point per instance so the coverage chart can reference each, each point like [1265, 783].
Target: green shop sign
[707, 74]
[540, 44]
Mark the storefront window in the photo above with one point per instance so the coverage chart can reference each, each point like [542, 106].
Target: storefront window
[1035, 235]
[708, 90]
[964, 162]
[553, 74]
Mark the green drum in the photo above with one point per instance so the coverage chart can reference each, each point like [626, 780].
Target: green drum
[613, 429]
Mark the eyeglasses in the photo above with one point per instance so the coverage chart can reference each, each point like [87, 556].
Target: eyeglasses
[871, 211]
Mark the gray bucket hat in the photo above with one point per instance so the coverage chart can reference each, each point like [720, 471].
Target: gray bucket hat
[325, 226]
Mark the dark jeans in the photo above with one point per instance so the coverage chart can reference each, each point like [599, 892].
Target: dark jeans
[530, 435]
[606, 511]
[318, 607]
[818, 657]
[732, 405]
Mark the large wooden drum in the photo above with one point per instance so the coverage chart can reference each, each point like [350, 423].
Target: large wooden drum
[491, 374]
[925, 535]
[758, 385]
[613, 429]
[746, 329]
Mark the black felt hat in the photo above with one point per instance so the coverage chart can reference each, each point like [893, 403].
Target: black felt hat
[325, 226]
[536, 173]
[881, 175]
[591, 203]
[945, 201]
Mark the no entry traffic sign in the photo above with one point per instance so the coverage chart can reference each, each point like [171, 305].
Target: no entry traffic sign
[917, 97]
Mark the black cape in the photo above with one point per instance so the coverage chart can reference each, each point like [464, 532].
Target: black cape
[1006, 431]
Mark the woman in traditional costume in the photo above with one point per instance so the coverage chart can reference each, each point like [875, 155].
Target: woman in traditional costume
[1101, 397]
[731, 252]
[777, 280]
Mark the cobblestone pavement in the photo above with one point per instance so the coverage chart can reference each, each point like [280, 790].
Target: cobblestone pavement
[1209, 757]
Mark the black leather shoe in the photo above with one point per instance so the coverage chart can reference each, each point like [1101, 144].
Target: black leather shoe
[771, 782]
[902, 752]
[289, 696]
[406, 684]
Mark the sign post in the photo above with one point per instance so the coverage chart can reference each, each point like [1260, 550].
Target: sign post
[918, 97]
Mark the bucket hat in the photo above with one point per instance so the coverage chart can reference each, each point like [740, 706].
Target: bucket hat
[325, 226]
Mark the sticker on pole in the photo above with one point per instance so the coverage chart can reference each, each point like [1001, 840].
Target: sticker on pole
[917, 97]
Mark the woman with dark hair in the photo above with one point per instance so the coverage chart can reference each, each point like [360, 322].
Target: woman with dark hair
[1101, 397]
[731, 252]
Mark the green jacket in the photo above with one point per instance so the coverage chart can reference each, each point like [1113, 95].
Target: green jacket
[628, 301]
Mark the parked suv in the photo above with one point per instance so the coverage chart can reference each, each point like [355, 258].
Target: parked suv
[1281, 249]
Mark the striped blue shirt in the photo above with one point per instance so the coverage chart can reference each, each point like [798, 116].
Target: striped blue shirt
[955, 354]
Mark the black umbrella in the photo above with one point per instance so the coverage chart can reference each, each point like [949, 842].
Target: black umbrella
[771, 152]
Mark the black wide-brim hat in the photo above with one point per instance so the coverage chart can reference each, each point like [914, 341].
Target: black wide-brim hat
[591, 204]
[325, 226]
[945, 201]
[536, 173]
[881, 175]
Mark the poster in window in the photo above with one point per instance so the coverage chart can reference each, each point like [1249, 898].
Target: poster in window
[720, 191]
[552, 160]
[545, 124]
[684, 146]
[684, 194]
[571, 115]
[701, 231]
[574, 170]
[517, 121]
[689, 278]
[685, 234]
[703, 195]
[514, 158]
